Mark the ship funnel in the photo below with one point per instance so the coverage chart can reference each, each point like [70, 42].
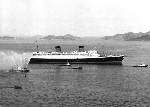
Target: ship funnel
[81, 48]
[58, 48]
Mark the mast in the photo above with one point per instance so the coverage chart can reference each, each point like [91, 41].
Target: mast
[37, 47]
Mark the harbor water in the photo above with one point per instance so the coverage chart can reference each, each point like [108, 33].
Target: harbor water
[48, 85]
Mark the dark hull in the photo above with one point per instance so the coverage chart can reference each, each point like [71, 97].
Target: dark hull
[140, 66]
[106, 60]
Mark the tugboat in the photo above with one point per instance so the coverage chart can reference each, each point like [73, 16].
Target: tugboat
[79, 67]
[24, 69]
[140, 65]
[67, 64]
[75, 57]
[19, 69]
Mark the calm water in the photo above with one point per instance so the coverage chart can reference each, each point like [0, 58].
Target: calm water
[94, 85]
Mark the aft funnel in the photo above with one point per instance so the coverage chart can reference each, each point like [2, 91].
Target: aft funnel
[81, 48]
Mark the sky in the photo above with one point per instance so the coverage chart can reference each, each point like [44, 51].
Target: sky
[77, 17]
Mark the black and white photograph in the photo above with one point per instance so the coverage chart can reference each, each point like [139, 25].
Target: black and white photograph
[74, 53]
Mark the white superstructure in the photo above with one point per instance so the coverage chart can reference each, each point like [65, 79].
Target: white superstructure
[67, 55]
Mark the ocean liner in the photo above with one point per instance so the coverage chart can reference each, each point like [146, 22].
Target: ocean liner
[75, 57]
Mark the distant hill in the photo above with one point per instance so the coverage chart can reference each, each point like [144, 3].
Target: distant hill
[65, 37]
[130, 36]
[142, 38]
[7, 37]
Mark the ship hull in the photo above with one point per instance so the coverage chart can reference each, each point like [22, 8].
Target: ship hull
[101, 60]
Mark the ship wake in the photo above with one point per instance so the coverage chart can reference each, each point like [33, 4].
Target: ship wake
[12, 58]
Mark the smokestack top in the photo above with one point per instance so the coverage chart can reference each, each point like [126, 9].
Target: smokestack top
[81, 48]
[58, 48]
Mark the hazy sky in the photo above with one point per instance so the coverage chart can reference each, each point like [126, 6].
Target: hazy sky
[77, 17]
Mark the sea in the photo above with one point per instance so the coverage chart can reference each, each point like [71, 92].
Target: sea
[48, 85]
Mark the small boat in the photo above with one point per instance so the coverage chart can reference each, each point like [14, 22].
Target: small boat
[15, 87]
[67, 64]
[19, 69]
[77, 67]
[140, 65]
[25, 70]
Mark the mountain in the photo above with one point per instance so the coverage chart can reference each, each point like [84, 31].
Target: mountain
[142, 38]
[7, 37]
[130, 36]
[49, 37]
[65, 37]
